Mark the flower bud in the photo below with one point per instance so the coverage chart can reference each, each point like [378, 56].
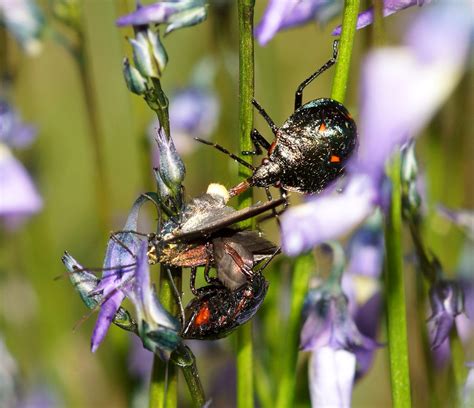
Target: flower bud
[187, 18]
[149, 56]
[135, 82]
[171, 168]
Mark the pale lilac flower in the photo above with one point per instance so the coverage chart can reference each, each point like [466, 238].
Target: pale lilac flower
[360, 283]
[328, 329]
[327, 322]
[331, 377]
[389, 7]
[24, 20]
[119, 271]
[283, 14]
[13, 131]
[157, 328]
[402, 88]
[18, 195]
[174, 13]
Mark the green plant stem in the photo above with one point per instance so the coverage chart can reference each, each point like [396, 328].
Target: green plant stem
[245, 386]
[158, 102]
[395, 295]
[351, 8]
[184, 358]
[96, 136]
[164, 380]
[304, 265]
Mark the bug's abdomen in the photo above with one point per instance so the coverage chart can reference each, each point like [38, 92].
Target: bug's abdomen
[314, 144]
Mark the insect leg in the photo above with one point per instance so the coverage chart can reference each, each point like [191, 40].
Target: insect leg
[258, 141]
[225, 151]
[176, 293]
[307, 81]
[266, 117]
[274, 211]
[192, 281]
[207, 267]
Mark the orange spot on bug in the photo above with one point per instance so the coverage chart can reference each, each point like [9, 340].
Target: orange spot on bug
[335, 159]
[322, 127]
[203, 316]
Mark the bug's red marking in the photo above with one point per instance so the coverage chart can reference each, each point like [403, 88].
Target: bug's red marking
[203, 315]
[335, 159]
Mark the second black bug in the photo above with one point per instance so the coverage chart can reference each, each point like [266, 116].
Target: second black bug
[310, 149]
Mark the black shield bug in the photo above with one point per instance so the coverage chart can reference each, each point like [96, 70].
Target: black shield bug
[217, 310]
[310, 149]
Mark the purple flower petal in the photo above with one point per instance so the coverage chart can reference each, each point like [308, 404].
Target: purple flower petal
[328, 216]
[106, 315]
[273, 18]
[119, 270]
[331, 377]
[152, 14]
[18, 195]
[13, 132]
[402, 88]
[283, 14]
[390, 7]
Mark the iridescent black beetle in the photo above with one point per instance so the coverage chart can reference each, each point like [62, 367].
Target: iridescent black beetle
[217, 310]
[310, 149]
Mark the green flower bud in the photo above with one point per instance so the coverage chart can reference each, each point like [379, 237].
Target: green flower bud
[135, 82]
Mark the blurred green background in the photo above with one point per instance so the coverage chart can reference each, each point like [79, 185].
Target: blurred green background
[37, 313]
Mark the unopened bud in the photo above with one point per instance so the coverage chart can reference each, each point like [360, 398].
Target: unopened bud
[135, 82]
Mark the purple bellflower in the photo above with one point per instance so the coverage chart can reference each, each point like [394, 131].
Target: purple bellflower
[360, 283]
[18, 194]
[334, 339]
[25, 22]
[402, 87]
[157, 328]
[389, 7]
[283, 14]
[119, 271]
[174, 13]
[446, 299]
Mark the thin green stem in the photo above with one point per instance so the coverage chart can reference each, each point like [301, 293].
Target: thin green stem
[304, 265]
[346, 43]
[79, 53]
[245, 385]
[395, 295]
[164, 380]
[184, 358]
[158, 102]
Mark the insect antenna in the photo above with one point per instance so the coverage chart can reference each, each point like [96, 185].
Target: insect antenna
[225, 151]
[268, 260]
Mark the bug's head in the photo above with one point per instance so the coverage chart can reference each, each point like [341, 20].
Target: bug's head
[267, 174]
